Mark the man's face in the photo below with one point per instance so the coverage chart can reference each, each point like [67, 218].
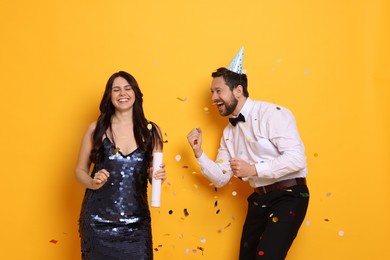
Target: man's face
[223, 97]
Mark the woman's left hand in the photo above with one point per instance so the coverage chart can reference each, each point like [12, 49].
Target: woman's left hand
[160, 174]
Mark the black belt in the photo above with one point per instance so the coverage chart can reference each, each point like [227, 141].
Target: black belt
[281, 185]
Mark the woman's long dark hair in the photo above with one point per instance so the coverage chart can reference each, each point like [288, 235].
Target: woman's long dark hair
[146, 139]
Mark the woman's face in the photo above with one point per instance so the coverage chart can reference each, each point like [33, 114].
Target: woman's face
[122, 94]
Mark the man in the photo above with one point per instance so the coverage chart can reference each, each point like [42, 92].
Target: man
[261, 145]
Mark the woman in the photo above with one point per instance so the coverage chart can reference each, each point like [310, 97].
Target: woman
[115, 219]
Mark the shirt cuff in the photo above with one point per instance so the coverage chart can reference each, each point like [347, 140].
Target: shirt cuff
[202, 159]
[261, 167]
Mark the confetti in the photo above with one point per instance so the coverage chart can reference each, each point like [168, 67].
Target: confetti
[218, 211]
[307, 222]
[178, 157]
[261, 253]
[203, 240]
[228, 225]
[304, 194]
[53, 241]
[149, 126]
[292, 213]
[315, 154]
[186, 212]
[215, 204]
[170, 212]
[206, 109]
[341, 233]
[275, 219]
[234, 193]
[328, 194]
[182, 99]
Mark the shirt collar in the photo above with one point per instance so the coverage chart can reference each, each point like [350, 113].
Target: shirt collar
[245, 110]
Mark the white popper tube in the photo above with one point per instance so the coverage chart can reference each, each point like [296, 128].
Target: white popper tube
[156, 184]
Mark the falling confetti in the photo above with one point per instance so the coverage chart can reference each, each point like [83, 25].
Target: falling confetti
[203, 240]
[261, 253]
[215, 204]
[206, 109]
[218, 211]
[328, 194]
[170, 212]
[234, 193]
[307, 222]
[275, 219]
[156, 248]
[149, 126]
[186, 212]
[341, 233]
[315, 154]
[182, 99]
[178, 157]
[53, 241]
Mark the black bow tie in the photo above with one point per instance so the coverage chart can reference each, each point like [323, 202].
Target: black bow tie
[235, 120]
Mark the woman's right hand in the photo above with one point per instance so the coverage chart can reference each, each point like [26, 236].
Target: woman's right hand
[100, 179]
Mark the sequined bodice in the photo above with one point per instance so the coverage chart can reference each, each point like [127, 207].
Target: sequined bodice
[123, 199]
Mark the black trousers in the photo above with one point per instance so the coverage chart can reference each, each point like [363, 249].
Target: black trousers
[272, 223]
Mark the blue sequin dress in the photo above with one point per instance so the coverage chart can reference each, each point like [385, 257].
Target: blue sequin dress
[115, 219]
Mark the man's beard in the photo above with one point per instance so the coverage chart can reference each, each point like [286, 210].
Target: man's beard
[229, 108]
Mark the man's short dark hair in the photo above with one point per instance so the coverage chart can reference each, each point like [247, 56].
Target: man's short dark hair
[232, 79]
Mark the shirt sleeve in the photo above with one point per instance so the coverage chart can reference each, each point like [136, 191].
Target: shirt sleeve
[218, 172]
[282, 132]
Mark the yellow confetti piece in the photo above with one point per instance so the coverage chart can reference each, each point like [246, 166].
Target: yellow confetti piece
[275, 219]
[206, 109]
[149, 126]
[220, 161]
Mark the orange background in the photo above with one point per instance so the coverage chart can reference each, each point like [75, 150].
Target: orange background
[328, 61]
